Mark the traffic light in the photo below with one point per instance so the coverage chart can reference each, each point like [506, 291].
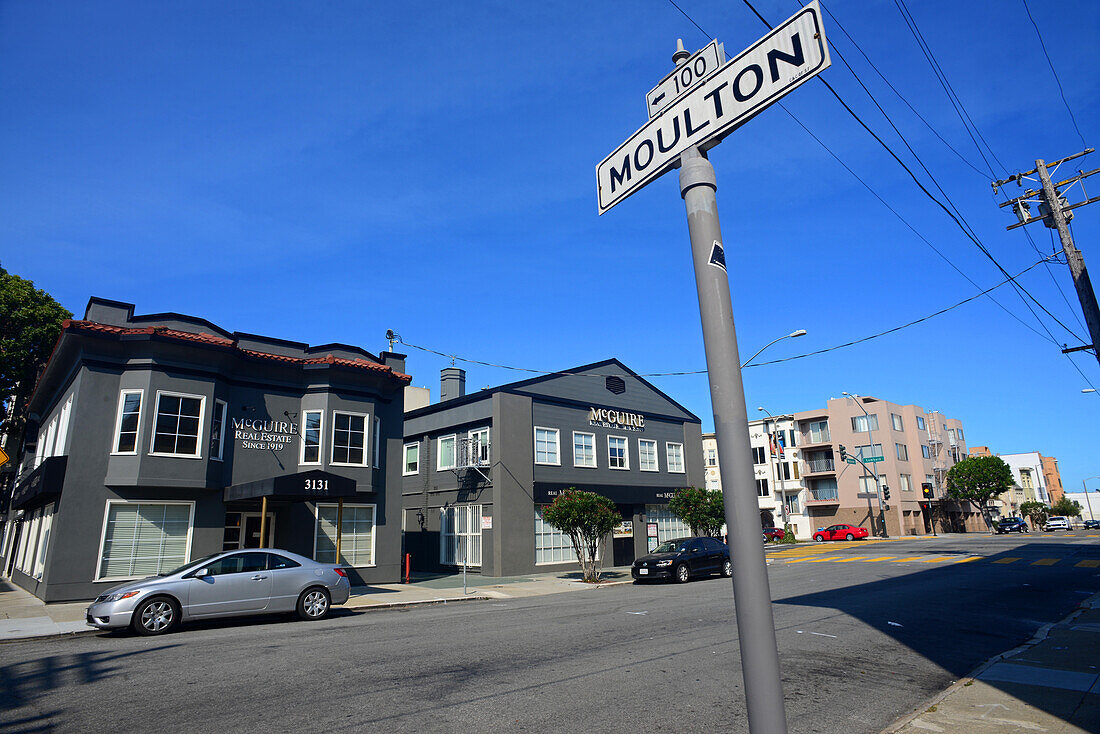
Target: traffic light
[886, 494]
[843, 453]
[926, 490]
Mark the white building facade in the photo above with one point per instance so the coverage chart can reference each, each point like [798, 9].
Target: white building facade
[1029, 483]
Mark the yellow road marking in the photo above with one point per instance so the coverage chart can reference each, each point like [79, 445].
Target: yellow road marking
[969, 560]
[853, 558]
[884, 558]
[800, 560]
[906, 560]
[1046, 561]
[822, 560]
[1088, 564]
[936, 559]
[1006, 560]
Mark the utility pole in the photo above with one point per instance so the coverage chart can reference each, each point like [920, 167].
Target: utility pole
[1055, 212]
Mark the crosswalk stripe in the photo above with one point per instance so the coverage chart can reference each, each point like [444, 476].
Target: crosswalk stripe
[1046, 562]
[1006, 560]
[853, 558]
[884, 558]
[969, 560]
[936, 559]
[906, 560]
[822, 560]
[1092, 563]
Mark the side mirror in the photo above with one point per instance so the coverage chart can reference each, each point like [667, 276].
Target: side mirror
[202, 572]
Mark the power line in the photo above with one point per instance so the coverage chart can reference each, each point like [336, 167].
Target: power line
[1055, 73]
[914, 322]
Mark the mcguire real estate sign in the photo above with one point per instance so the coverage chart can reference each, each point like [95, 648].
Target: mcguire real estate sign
[791, 54]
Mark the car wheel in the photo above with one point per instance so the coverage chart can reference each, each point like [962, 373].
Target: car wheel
[682, 574]
[727, 568]
[155, 616]
[313, 604]
[819, 538]
[849, 536]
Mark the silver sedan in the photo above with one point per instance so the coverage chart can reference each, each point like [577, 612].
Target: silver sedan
[223, 585]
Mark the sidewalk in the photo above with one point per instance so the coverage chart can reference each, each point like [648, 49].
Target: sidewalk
[23, 616]
[1049, 684]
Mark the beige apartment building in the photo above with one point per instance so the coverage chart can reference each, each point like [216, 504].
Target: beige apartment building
[913, 448]
[810, 487]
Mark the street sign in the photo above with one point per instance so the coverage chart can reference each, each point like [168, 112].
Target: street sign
[873, 459]
[3, 457]
[685, 77]
[790, 55]
[852, 460]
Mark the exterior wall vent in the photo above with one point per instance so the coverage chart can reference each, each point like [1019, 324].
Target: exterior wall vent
[615, 384]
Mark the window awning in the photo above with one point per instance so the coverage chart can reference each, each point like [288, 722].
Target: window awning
[304, 486]
[41, 486]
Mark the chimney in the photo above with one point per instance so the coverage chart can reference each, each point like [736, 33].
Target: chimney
[393, 360]
[452, 383]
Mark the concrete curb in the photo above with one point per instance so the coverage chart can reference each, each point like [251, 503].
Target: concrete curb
[416, 603]
[1041, 634]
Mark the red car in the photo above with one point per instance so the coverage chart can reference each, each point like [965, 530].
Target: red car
[840, 532]
[773, 534]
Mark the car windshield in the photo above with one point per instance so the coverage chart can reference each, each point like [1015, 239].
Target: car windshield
[671, 546]
[187, 566]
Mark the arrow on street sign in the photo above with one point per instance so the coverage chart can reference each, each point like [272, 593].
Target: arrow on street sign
[685, 77]
[3, 457]
[780, 62]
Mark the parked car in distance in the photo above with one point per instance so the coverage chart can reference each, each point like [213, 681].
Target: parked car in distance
[840, 532]
[1056, 522]
[773, 534]
[683, 558]
[1012, 525]
[1092, 524]
[228, 584]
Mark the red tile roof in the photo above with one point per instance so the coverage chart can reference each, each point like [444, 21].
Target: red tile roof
[202, 338]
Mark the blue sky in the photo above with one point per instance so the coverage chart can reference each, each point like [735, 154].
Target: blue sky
[327, 171]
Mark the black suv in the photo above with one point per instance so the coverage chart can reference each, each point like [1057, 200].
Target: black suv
[682, 558]
[1013, 525]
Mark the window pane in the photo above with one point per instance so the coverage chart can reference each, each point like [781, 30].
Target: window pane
[348, 438]
[144, 539]
[311, 437]
[356, 535]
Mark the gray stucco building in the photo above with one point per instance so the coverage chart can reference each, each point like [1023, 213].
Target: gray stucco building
[157, 439]
[478, 468]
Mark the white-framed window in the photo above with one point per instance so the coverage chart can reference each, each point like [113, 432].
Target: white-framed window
[127, 422]
[669, 526]
[866, 452]
[867, 484]
[819, 432]
[177, 425]
[864, 423]
[313, 423]
[349, 439]
[929, 479]
[411, 461]
[712, 456]
[546, 446]
[356, 534]
[43, 541]
[674, 457]
[762, 487]
[445, 453]
[925, 452]
[895, 421]
[920, 422]
[142, 539]
[29, 545]
[759, 454]
[217, 430]
[63, 428]
[791, 501]
[584, 450]
[479, 446]
[647, 455]
[617, 457]
[951, 435]
[551, 544]
[960, 431]
[905, 482]
[377, 441]
[44, 450]
[902, 451]
[460, 535]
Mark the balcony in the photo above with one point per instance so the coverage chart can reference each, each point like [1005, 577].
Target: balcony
[814, 438]
[829, 496]
[817, 466]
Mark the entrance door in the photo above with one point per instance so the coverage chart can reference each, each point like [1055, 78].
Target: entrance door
[622, 540]
[251, 537]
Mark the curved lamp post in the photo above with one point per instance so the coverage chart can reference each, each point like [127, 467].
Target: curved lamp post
[800, 332]
[778, 476]
[874, 474]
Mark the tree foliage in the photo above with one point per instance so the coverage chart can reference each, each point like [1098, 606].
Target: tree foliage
[1066, 506]
[978, 479]
[703, 510]
[1034, 511]
[587, 518]
[30, 322]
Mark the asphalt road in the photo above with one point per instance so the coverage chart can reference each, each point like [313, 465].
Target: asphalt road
[867, 631]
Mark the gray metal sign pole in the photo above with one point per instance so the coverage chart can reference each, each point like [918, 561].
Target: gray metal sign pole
[752, 596]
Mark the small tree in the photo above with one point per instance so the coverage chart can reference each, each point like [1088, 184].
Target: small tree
[1034, 511]
[1066, 506]
[587, 518]
[703, 510]
[978, 479]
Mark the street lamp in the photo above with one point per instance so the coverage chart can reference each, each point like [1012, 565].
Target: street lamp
[778, 476]
[1088, 389]
[800, 332]
[874, 474]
